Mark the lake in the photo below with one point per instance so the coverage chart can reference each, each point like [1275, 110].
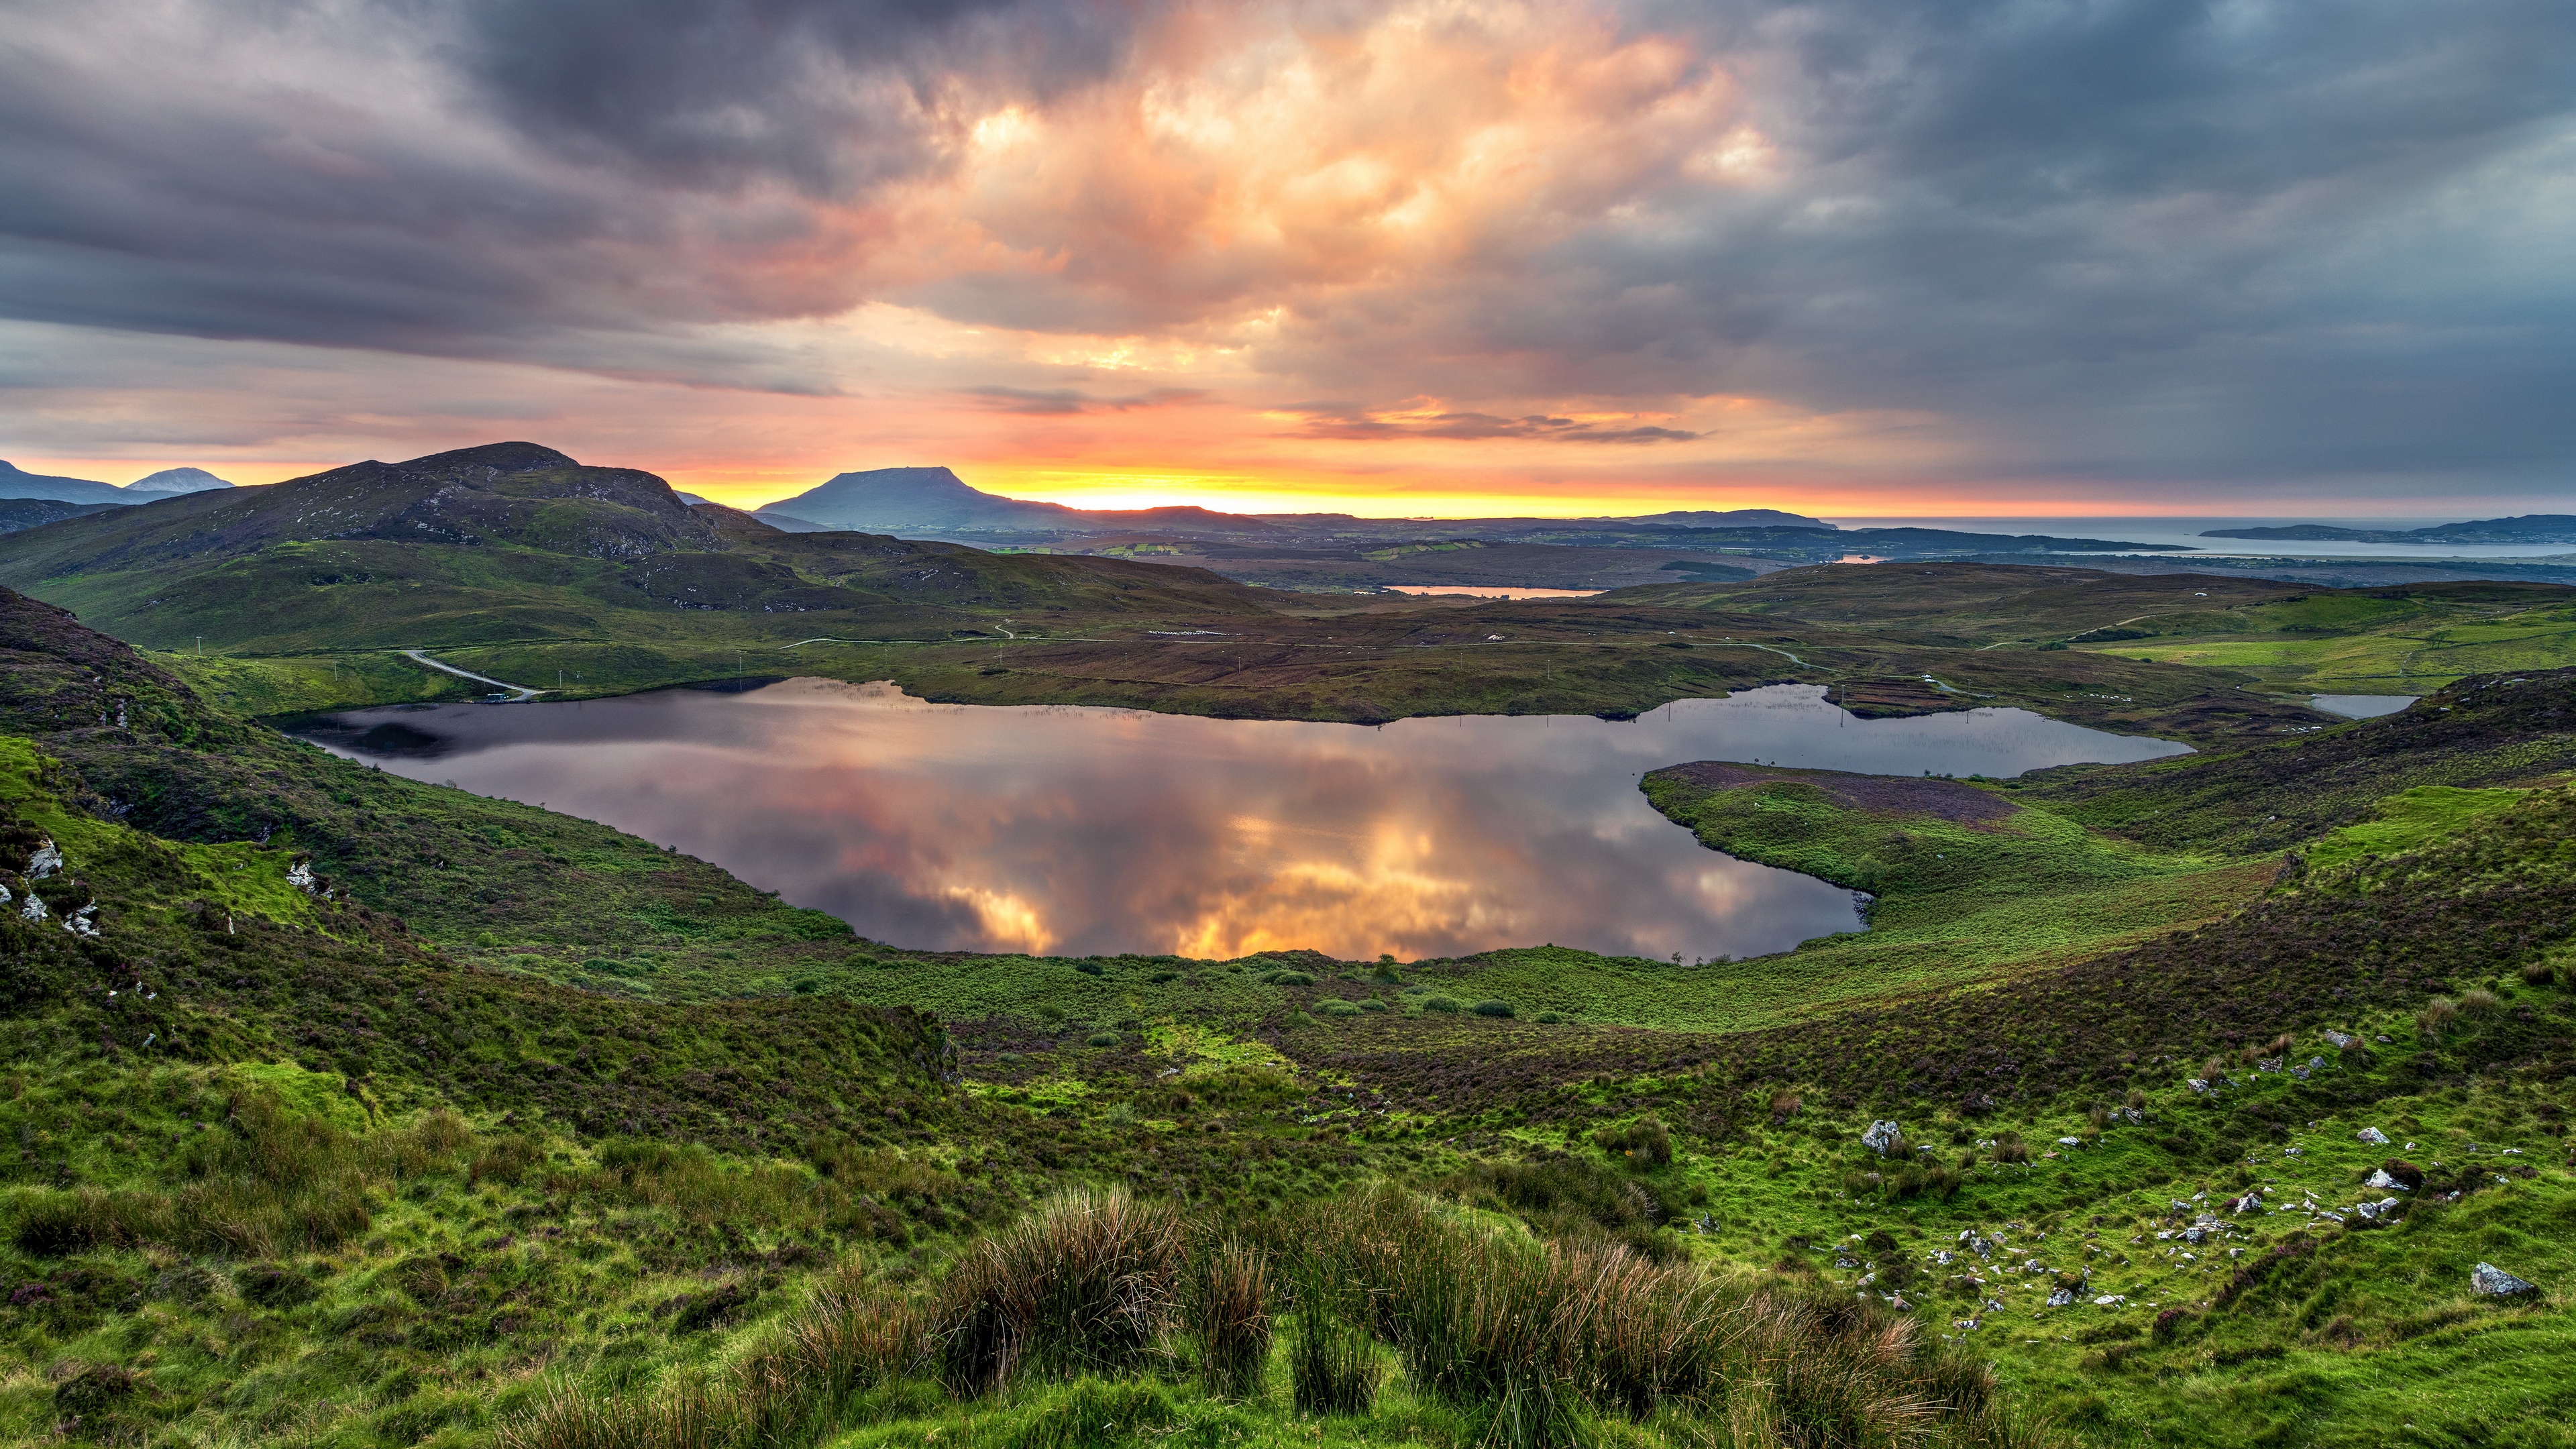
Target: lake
[1097, 831]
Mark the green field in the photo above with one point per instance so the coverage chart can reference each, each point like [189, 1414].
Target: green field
[516, 1130]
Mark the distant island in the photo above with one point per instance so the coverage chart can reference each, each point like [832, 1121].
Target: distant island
[2552, 528]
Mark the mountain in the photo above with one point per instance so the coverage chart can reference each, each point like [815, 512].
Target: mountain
[931, 502]
[520, 543]
[18, 513]
[15, 482]
[178, 480]
[898, 500]
[2533, 528]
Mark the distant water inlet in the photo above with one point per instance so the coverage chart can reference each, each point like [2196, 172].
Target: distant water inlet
[1100, 831]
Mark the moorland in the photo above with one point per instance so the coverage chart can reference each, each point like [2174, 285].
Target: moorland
[2176, 1102]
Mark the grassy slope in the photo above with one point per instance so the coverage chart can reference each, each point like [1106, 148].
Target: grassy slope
[539, 1218]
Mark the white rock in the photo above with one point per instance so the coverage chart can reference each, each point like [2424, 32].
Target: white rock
[2380, 1179]
[2110, 1300]
[2495, 1282]
[33, 910]
[45, 861]
[2070, 1141]
[1882, 1136]
[2373, 1136]
[2198, 1087]
[2061, 1297]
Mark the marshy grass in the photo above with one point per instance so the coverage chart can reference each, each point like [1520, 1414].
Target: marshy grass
[1532, 1344]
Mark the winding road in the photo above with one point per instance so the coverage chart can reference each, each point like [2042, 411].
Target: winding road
[522, 692]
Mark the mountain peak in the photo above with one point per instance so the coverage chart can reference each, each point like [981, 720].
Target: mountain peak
[490, 459]
[178, 480]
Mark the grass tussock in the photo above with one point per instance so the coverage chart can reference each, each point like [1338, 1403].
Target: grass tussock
[1535, 1345]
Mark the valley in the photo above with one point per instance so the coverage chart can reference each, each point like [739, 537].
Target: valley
[367, 1110]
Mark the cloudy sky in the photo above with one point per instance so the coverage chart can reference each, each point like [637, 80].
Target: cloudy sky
[1392, 256]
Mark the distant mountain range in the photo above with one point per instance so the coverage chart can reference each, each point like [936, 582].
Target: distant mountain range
[16, 482]
[930, 502]
[2534, 528]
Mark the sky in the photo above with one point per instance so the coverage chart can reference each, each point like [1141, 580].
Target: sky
[1392, 257]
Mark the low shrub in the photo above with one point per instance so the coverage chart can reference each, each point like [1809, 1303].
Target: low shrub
[1288, 978]
[1492, 1008]
[1642, 1144]
[1441, 1003]
[1335, 1006]
[1101, 1039]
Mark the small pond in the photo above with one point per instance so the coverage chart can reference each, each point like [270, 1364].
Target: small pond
[1080, 831]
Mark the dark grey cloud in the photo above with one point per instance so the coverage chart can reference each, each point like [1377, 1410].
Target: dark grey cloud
[1066, 402]
[471, 178]
[1344, 421]
[2114, 239]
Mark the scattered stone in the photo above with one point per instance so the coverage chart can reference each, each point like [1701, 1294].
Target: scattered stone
[45, 861]
[1882, 1136]
[2495, 1282]
[2268, 1064]
[34, 909]
[2070, 1141]
[2379, 1178]
[2061, 1297]
[300, 875]
[2342, 1040]
[2111, 1300]
[2385, 1039]
[2371, 1212]
[2198, 1087]
[2373, 1136]
[2251, 1202]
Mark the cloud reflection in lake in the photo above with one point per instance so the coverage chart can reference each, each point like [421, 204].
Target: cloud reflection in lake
[1080, 831]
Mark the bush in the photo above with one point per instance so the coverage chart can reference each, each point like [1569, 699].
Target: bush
[1441, 1003]
[2479, 1002]
[1372, 1004]
[1287, 978]
[2539, 973]
[1101, 1039]
[1335, 1006]
[1492, 1008]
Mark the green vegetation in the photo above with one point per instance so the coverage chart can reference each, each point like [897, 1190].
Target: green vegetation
[512, 1129]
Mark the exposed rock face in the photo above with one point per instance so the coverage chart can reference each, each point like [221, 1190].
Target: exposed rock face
[2495, 1282]
[1881, 1136]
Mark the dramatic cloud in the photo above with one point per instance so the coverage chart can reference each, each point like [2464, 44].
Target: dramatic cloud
[2127, 252]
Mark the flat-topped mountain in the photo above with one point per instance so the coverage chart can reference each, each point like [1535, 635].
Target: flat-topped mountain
[935, 501]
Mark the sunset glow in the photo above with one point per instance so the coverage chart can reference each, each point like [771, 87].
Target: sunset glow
[1412, 257]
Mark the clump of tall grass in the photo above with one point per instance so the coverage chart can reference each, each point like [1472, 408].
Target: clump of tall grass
[1227, 1308]
[2010, 1148]
[2437, 1016]
[1332, 1360]
[1534, 1340]
[1085, 1285]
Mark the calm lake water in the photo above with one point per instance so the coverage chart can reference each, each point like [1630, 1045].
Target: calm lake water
[2362, 706]
[1082, 831]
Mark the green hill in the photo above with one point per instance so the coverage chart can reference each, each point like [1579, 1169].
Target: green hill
[507, 1127]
